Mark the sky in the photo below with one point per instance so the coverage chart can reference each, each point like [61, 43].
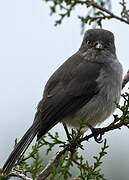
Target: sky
[31, 49]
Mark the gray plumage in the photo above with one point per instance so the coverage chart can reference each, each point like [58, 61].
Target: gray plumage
[86, 87]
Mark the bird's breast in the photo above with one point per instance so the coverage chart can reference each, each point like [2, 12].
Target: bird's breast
[102, 105]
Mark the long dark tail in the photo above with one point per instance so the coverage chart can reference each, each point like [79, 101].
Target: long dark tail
[21, 147]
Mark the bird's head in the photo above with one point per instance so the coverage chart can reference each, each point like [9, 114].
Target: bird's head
[98, 40]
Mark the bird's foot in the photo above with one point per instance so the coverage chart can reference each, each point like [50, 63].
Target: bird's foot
[67, 132]
[96, 133]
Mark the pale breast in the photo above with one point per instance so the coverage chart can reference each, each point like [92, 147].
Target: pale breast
[102, 105]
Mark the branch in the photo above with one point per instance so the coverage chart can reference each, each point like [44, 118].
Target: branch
[54, 162]
[70, 147]
[20, 175]
[125, 80]
[46, 172]
[105, 129]
[77, 163]
[91, 3]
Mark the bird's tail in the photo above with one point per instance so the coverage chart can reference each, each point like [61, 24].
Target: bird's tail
[21, 147]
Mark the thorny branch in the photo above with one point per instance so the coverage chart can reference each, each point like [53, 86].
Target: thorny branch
[55, 161]
[46, 172]
[97, 11]
[92, 3]
[125, 80]
[20, 175]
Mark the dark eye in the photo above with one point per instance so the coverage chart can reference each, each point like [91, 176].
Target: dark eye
[88, 42]
[108, 43]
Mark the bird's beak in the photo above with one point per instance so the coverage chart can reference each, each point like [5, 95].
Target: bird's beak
[98, 45]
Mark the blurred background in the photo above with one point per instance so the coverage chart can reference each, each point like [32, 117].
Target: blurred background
[31, 49]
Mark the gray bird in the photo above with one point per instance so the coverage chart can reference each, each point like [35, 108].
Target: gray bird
[86, 87]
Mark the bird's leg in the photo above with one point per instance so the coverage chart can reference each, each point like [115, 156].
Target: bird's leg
[67, 132]
[96, 133]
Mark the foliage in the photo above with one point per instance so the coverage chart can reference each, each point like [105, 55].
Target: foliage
[96, 11]
[60, 167]
[63, 170]
[32, 165]
[91, 172]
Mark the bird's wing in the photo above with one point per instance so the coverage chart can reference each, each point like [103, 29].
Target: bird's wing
[68, 89]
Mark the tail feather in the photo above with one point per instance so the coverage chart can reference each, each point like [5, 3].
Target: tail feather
[21, 147]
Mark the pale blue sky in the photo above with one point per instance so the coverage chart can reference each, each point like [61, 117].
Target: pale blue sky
[31, 49]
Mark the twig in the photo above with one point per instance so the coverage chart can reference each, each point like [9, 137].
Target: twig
[105, 129]
[20, 175]
[92, 3]
[76, 178]
[54, 162]
[125, 80]
[77, 163]
[46, 172]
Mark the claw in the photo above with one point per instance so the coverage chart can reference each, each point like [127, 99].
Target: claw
[96, 133]
[67, 132]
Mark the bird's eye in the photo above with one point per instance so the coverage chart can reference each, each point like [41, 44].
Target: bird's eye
[88, 42]
[108, 43]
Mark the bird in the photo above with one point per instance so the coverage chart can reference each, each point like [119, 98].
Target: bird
[86, 86]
